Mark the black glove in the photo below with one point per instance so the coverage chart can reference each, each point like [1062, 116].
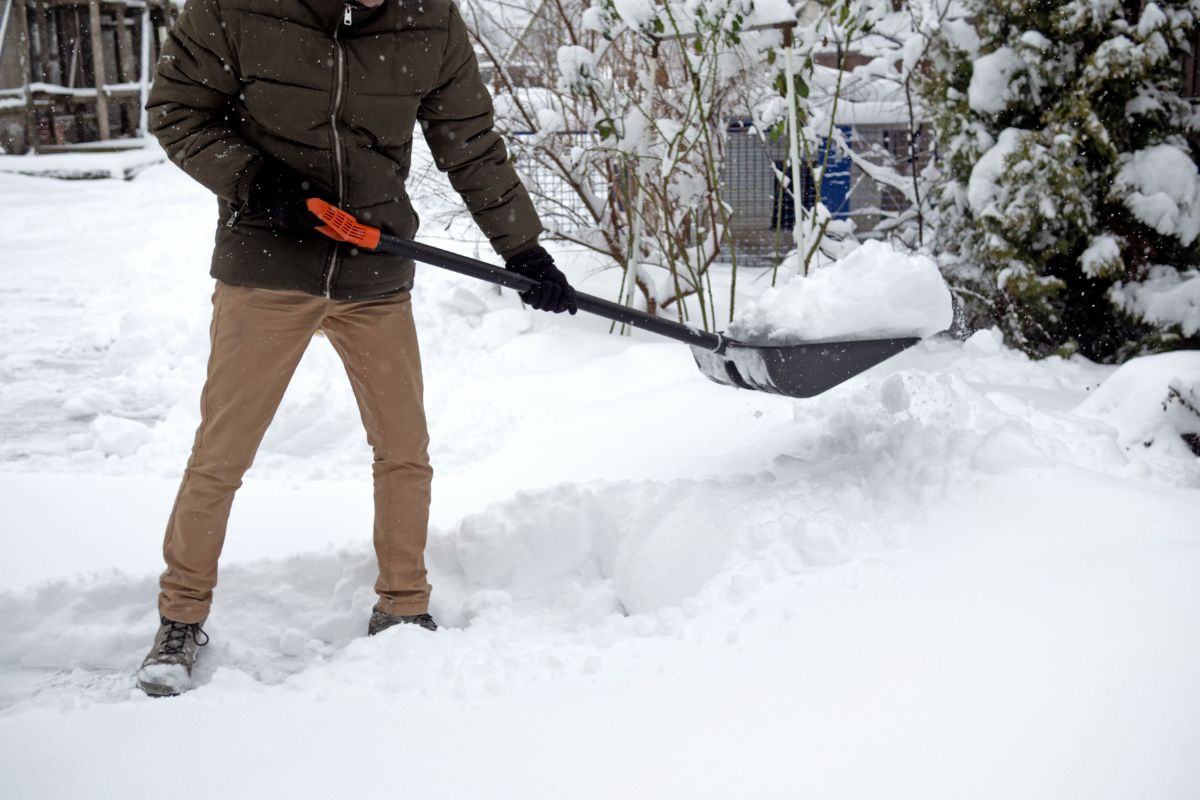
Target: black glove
[280, 193]
[553, 292]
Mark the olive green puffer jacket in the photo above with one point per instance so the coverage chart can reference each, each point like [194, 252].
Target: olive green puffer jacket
[334, 92]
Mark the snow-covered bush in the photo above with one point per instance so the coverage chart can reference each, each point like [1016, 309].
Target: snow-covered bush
[1069, 210]
[621, 110]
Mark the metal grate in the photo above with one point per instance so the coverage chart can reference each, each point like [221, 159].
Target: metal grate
[756, 178]
[558, 203]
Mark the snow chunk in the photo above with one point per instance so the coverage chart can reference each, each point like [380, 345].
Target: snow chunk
[961, 34]
[1102, 257]
[1152, 19]
[576, 67]
[991, 90]
[873, 292]
[88, 403]
[1035, 40]
[984, 183]
[1144, 398]
[636, 13]
[1164, 191]
[1166, 297]
[596, 20]
[172, 678]
[119, 436]
[770, 12]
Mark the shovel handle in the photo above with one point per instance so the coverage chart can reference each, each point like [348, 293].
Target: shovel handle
[342, 225]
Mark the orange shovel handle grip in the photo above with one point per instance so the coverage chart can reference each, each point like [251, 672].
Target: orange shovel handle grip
[343, 225]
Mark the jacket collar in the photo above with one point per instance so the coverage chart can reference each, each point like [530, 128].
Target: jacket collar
[329, 13]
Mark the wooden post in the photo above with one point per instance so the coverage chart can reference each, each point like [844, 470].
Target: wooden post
[798, 236]
[98, 69]
[127, 69]
[144, 74]
[125, 46]
[43, 39]
[26, 62]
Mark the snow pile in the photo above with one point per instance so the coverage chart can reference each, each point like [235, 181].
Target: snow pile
[874, 292]
[1163, 187]
[1152, 402]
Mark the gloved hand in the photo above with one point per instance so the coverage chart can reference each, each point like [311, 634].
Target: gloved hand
[553, 294]
[279, 193]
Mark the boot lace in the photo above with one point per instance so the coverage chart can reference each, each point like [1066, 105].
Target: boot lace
[177, 633]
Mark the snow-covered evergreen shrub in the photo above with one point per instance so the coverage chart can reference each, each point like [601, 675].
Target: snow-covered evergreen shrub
[1070, 198]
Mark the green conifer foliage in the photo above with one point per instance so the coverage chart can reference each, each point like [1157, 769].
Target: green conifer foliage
[1069, 198]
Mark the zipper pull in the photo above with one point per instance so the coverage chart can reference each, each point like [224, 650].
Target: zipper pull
[348, 19]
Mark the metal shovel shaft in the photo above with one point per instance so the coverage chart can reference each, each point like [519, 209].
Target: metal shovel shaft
[474, 268]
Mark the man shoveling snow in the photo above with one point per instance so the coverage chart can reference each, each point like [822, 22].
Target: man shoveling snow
[266, 109]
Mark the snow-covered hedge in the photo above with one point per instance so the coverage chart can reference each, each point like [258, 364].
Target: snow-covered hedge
[1070, 200]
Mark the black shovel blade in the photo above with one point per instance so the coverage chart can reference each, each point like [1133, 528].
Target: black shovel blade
[796, 370]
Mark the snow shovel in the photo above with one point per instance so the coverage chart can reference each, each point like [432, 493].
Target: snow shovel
[794, 370]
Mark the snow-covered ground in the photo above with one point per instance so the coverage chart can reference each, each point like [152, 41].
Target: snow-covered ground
[964, 574]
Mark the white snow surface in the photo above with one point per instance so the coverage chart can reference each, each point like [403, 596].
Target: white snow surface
[875, 291]
[961, 574]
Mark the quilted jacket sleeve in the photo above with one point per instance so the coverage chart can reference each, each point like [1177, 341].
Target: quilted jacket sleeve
[189, 105]
[457, 118]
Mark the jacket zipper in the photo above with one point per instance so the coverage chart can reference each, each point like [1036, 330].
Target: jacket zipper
[338, 168]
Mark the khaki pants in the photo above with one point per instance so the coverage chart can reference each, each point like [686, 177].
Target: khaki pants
[258, 337]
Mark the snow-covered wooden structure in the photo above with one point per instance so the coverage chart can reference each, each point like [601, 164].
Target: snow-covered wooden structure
[74, 73]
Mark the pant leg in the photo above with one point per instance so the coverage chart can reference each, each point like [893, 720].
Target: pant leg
[257, 338]
[377, 342]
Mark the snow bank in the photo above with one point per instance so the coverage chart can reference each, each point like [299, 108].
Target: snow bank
[124, 164]
[875, 291]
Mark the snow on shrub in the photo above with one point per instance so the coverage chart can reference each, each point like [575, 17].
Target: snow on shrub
[1161, 186]
[1069, 204]
[992, 88]
[1152, 402]
[1166, 297]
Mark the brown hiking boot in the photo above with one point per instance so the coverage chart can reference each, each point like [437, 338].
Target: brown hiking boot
[381, 621]
[167, 670]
